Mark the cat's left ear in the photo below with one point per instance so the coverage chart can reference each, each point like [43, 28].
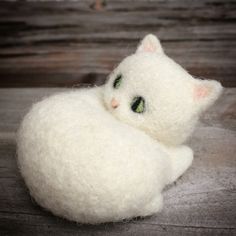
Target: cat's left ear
[206, 92]
[150, 43]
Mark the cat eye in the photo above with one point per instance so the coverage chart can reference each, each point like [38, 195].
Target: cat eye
[117, 81]
[138, 104]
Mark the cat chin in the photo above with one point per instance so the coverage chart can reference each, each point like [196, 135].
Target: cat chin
[170, 138]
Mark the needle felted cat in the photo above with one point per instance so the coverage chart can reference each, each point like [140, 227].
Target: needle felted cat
[105, 154]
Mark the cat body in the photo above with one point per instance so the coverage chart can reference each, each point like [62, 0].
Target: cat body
[89, 175]
[105, 154]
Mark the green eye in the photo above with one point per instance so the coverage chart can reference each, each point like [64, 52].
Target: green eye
[117, 82]
[138, 105]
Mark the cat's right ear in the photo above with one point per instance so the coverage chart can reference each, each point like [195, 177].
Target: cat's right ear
[151, 44]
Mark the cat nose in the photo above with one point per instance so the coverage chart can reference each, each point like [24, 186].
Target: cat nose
[114, 103]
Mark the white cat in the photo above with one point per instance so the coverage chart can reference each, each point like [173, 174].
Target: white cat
[105, 153]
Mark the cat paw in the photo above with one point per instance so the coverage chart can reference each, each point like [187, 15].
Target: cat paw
[180, 159]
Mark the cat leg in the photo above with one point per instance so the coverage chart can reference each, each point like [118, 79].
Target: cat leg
[180, 160]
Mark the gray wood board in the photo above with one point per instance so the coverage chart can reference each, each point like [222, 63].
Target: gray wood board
[51, 43]
[201, 202]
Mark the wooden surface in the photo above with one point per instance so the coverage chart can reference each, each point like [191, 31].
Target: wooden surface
[201, 202]
[51, 43]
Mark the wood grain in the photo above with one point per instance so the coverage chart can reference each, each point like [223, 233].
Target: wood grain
[201, 202]
[69, 42]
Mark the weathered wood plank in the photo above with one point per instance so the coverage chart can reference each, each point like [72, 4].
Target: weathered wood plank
[62, 44]
[68, 65]
[202, 202]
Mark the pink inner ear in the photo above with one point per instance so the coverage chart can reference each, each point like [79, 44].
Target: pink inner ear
[201, 91]
[149, 47]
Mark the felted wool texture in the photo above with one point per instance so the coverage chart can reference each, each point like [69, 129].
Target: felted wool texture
[89, 161]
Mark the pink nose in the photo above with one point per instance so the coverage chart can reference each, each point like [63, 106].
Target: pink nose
[114, 103]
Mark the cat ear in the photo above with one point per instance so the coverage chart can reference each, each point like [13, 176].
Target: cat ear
[206, 92]
[150, 43]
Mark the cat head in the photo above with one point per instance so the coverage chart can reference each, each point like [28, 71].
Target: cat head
[151, 92]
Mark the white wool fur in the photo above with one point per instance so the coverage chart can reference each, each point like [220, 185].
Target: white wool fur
[86, 161]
